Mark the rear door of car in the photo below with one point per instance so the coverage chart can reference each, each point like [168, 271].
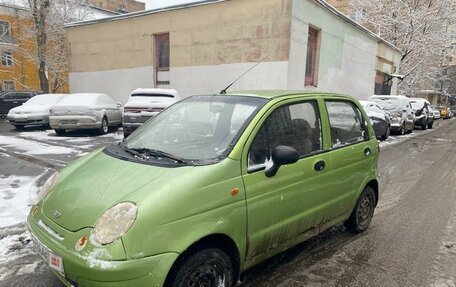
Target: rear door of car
[352, 154]
[289, 203]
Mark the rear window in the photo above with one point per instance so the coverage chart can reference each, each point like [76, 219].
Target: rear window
[389, 104]
[79, 100]
[153, 95]
[44, 100]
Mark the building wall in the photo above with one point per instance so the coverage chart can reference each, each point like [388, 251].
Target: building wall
[206, 53]
[348, 57]
[23, 72]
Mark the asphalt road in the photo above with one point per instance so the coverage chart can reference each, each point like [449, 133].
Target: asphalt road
[411, 240]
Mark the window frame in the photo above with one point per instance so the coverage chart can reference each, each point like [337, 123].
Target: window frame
[364, 124]
[311, 78]
[8, 26]
[6, 81]
[7, 61]
[268, 114]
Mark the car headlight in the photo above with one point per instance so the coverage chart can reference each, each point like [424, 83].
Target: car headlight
[40, 192]
[115, 222]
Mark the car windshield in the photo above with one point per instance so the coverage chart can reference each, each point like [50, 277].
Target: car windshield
[43, 100]
[198, 130]
[388, 104]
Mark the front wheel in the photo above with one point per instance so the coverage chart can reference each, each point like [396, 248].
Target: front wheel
[387, 133]
[363, 212]
[209, 267]
[18, 127]
[430, 125]
[59, 132]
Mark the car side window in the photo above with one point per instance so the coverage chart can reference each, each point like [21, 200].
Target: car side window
[297, 126]
[346, 122]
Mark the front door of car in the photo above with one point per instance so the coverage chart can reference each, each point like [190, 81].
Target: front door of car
[287, 204]
[351, 156]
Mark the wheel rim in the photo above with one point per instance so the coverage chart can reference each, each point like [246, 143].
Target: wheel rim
[365, 211]
[388, 131]
[105, 126]
[206, 275]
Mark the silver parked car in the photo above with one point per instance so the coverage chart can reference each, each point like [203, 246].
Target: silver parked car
[144, 104]
[85, 111]
[399, 111]
[34, 112]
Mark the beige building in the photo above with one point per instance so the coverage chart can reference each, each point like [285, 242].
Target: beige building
[122, 6]
[200, 48]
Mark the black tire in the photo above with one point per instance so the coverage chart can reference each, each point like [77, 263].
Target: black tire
[430, 125]
[424, 126]
[207, 267]
[104, 126]
[402, 131]
[363, 212]
[387, 133]
[60, 132]
[18, 127]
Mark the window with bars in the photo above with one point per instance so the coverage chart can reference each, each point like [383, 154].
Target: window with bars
[313, 47]
[5, 32]
[7, 58]
[9, 85]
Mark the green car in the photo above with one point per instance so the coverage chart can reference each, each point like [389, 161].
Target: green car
[208, 188]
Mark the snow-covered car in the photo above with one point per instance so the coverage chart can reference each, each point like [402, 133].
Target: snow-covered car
[424, 118]
[378, 118]
[85, 111]
[144, 104]
[399, 111]
[34, 112]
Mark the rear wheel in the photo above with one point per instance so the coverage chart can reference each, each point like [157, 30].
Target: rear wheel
[363, 212]
[59, 132]
[387, 133]
[104, 126]
[209, 267]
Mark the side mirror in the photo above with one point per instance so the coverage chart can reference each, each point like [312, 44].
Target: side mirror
[404, 111]
[281, 155]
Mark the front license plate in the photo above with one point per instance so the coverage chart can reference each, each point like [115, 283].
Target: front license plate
[54, 261]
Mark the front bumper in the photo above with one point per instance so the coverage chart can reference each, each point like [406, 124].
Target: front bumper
[75, 122]
[26, 120]
[88, 268]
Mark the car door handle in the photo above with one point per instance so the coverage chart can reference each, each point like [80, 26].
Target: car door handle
[367, 151]
[320, 165]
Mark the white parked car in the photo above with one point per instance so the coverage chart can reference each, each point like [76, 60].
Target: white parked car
[85, 111]
[399, 110]
[34, 112]
[436, 112]
[144, 104]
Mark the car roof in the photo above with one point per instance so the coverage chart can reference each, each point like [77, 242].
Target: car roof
[171, 92]
[273, 94]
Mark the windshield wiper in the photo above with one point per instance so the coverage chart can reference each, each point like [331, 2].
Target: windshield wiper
[145, 153]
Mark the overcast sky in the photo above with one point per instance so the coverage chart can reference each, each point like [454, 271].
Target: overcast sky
[152, 4]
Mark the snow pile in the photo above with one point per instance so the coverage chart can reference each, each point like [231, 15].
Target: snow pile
[32, 147]
[15, 199]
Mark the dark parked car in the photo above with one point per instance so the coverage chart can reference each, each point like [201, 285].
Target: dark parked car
[12, 99]
[424, 114]
[379, 119]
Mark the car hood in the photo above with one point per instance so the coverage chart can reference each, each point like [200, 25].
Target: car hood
[31, 109]
[146, 102]
[96, 182]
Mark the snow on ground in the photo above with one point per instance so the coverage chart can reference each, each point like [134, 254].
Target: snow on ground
[33, 147]
[15, 199]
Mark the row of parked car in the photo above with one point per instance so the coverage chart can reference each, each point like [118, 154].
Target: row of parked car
[62, 112]
[400, 114]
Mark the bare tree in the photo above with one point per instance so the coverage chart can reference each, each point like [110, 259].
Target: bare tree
[49, 50]
[418, 27]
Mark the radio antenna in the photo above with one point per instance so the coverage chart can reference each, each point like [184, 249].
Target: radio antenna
[222, 92]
